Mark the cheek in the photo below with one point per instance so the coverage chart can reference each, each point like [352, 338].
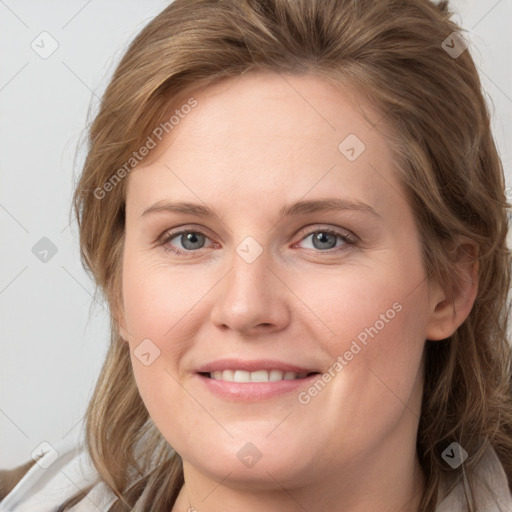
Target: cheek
[377, 317]
[163, 305]
[158, 300]
[158, 306]
[377, 357]
[369, 308]
[376, 367]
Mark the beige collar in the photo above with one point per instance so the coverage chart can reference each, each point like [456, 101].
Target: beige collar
[492, 493]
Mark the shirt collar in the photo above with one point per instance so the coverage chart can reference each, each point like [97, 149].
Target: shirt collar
[491, 490]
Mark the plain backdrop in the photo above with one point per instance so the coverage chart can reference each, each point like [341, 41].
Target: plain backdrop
[53, 334]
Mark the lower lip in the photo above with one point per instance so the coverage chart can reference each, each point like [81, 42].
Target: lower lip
[254, 391]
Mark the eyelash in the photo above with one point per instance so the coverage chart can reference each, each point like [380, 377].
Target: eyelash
[347, 239]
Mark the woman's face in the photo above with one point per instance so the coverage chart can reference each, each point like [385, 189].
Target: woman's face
[276, 287]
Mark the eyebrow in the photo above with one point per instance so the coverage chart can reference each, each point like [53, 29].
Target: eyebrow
[295, 209]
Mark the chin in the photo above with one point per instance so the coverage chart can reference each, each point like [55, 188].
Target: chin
[265, 469]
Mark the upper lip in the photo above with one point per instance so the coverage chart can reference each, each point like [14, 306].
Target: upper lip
[251, 366]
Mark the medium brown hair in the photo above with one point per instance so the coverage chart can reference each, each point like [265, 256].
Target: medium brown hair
[390, 53]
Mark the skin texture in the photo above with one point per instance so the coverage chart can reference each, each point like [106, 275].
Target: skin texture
[251, 146]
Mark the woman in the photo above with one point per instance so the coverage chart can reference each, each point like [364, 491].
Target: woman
[337, 338]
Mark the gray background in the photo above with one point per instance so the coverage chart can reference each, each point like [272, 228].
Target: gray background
[52, 340]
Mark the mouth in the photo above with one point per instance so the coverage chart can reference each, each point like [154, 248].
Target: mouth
[255, 380]
[237, 379]
[244, 376]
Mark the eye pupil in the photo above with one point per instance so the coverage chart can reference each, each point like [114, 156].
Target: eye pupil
[323, 239]
[191, 238]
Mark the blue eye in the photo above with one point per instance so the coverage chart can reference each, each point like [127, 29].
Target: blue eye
[193, 240]
[188, 239]
[327, 239]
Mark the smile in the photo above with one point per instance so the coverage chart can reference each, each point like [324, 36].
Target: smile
[255, 376]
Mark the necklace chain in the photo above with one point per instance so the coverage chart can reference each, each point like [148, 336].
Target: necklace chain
[191, 508]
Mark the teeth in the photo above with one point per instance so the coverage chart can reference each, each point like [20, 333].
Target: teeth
[228, 375]
[241, 376]
[257, 376]
[275, 375]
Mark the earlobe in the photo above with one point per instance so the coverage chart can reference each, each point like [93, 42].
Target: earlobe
[446, 315]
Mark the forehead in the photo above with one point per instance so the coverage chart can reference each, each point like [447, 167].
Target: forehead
[269, 135]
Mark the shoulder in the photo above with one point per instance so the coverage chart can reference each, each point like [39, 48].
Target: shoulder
[43, 485]
[10, 477]
[492, 492]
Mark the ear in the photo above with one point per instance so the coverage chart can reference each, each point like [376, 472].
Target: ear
[445, 316]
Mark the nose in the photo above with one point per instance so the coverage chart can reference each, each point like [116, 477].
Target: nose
[252, 298]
